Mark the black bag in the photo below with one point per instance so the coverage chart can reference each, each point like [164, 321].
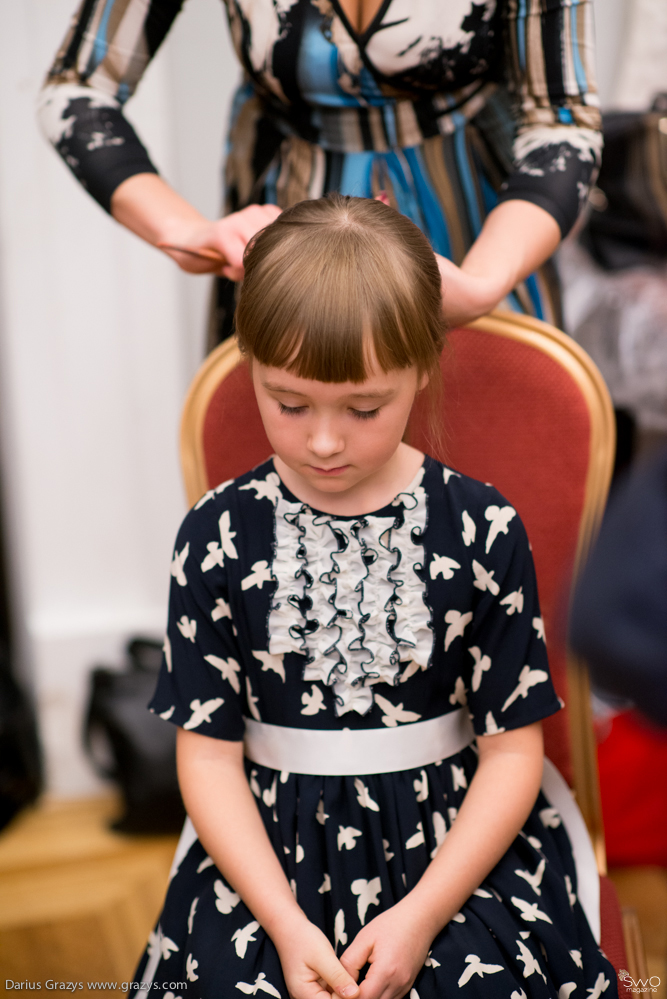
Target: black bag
[130, 745]
[628, 224]
[20, 755]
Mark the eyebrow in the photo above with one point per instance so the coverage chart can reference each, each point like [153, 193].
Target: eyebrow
[273, 387]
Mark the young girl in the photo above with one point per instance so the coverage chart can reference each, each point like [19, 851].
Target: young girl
[354, 662]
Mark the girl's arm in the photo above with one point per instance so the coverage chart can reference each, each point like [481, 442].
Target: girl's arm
[500, 797]
[222, 808]
[517, 237]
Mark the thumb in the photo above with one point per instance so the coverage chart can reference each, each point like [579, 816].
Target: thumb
[340, 980]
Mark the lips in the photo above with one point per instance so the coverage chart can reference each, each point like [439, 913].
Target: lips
[330, 471]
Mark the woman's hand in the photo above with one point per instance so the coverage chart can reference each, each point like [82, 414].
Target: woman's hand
[227, 237]
[309, 963]
[147, 206]
[395, 944]
[466, 296]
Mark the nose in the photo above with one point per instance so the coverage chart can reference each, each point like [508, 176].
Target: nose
[324, 440]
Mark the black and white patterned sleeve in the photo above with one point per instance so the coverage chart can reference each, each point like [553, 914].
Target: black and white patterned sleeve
[201, 686]
[98, 66]
[550, 66]
[507, 680]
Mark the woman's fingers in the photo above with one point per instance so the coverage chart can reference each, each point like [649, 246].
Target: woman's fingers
[337, 977]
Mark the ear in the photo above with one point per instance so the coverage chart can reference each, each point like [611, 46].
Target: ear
[423, 381]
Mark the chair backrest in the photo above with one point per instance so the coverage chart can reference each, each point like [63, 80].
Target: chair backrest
[524, 408]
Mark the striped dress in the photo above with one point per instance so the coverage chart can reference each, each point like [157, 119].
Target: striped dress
[450, 106]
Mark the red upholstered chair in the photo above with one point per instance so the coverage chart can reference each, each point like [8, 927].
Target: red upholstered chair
[524, 408]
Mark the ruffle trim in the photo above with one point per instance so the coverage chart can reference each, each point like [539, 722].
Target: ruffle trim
[367, 616]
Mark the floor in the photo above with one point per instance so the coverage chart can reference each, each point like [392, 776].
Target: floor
[78, 901]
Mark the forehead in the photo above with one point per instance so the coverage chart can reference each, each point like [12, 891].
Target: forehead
[377, 384]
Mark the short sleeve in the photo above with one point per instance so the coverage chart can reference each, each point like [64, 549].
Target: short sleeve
[201, 679]
[508, 680]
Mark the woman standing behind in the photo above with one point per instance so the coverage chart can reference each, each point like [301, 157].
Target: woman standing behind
[479, 120]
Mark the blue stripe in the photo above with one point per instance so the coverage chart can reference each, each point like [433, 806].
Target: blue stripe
[582, 82]
[356, 176]
[436, 226]
[465, 175]
[534, 291]
[100, 45]
[521, 33]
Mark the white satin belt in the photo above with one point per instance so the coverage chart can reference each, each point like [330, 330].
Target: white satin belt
[347, 753]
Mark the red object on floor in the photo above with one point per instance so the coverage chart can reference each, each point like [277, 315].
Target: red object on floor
[632, 757]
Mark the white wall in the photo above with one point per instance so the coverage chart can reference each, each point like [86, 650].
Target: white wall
[99, 336]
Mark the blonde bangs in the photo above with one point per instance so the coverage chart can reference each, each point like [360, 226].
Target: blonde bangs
[330, 278]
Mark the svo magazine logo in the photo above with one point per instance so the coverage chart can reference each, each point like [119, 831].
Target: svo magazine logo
[641, 984]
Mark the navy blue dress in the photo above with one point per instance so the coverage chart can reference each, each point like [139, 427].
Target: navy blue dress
[305, 619]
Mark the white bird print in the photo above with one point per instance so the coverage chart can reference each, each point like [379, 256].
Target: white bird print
[538, 625]
[270, 794]
[313, 701]
[242, 937]
[519, 995]
[431, 962]
[566, 989]
[570, 894]
[534, 880]
[492, 728]
[252, 701]
[254, 786]
[347, 837]
[320, 814]
[451, 814]
[531, 965]
[529, 910]
[206, 862]
[166, 947]
[534, 842]
[226, 900]
[550, 818]
[447, 474]
[458, 777]
[202, 712]
[482, 893]
[443, 564]
[420, 785]
[271, 662]
[167, 714]
[214, 557]
[513, 602]
[340, 936]
[601, 985]
[392, 714]
[261, 573]
[221, 609]
[576, 957]
[410, 670]
[459, 695]
[166, 648]
[268, 488]
[368, 892]
[475, 967]
[178, 563]
[439, 831]
[364, 797]
[484, 580]
[299, 853]
[469, 531]
[228, 668]
[387, 851]
[227, 536]
[524, 934]
[190, 967]
[527, 678]
[482, 665]
[325, 886]
[458, 917]
[193, 909]
[261, 984]
[413, 992]
[187, 627]
[416, 839]
[458, 623]
[213, 492]
[499, 518]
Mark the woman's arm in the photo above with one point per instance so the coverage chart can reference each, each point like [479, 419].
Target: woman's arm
[517, 237]
[499, 799]
[222, 808]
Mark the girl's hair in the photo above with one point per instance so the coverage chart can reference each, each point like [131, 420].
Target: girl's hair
[332, 276]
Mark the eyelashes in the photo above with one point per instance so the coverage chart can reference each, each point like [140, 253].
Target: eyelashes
[359, 414]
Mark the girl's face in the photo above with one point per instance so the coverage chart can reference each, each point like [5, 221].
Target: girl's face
[337, 438]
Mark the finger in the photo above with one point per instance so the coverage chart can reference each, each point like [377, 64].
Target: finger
[357, 955]
[335, 975]
[383, 197]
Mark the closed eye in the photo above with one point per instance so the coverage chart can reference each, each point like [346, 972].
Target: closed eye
[290, 410]
[365, 414]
